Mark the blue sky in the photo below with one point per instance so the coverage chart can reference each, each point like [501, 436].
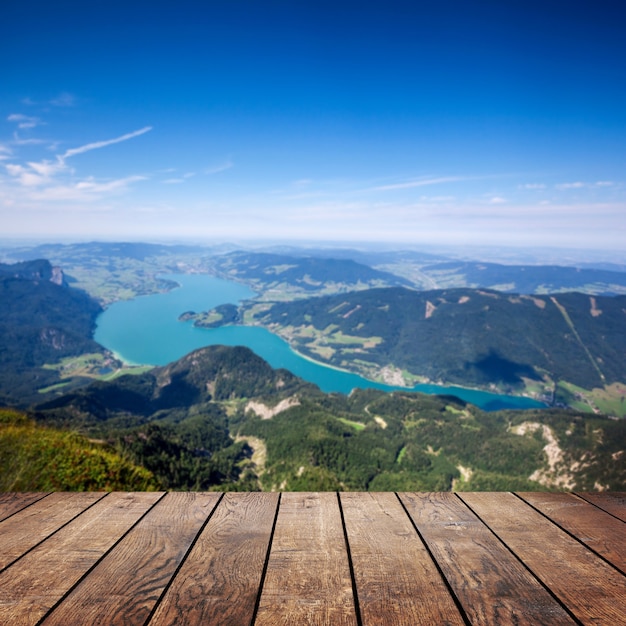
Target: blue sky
[456, 122]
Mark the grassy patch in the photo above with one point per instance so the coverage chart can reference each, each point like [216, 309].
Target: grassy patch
[366, 342]
[356, 425]
[133, 370]
[34, 458]
[53, 387]
[208, 318]
[609, 400]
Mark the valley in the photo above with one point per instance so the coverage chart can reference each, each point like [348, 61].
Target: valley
[223, 418]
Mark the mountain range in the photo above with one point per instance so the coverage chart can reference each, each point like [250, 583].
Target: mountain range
[222, 418]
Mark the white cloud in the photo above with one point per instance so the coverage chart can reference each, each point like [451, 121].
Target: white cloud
[47, 168]
[497, 200]
[532, 186]
[64, 99]
[422, 182]
[437, 198]
[576, 185]
[219, 168]
[5, 152]
[35, 173]
[102, 144]
[51, 180]
[18, 141]
[24, 176]
[581, 185]
[91, 186]
[88, 190]
[24, 121]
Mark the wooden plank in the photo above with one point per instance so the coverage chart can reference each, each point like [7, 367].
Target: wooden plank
[590, 588]
[491, 585]
[219, 581]
[11, 502]
[308, 575]
[33, 524]
[397, 581]
[590, 525]
[33, 585]
[613, 503]
[124, 587]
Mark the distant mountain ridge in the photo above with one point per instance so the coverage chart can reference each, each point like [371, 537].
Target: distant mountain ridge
[308, 274]
[86, 252]
[531, 279]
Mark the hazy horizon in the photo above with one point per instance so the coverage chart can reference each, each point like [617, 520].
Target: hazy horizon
[403, 125]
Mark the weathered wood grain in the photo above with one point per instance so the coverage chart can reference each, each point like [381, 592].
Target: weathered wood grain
[396, 579]
[591, 589]
[33, 524]
[219, 581]
[491, 585]
[124, 587]
[590, 525]
[180, 558]
[308, 575]
[613, 503]
[32, 585]
[11, 502]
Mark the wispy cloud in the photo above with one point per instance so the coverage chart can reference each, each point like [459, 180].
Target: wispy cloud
[497, 200]
[437, 198]
[88, 190]
[32, 141]
[64, 99]
[24, 121]
[421, 182]
[219, 168]
[576, 185]
[54, 180]
[5, 152]
[177, 180]
[35, 174]
[532, 186]
[103, 144]
[91, 186]
[582, 185]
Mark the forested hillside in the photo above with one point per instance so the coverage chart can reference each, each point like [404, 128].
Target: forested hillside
[42, 320]
[221, 418]
[173, 420]
[301, 275]
[471, 337]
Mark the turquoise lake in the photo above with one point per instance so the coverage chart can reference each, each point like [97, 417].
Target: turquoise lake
[146, 331]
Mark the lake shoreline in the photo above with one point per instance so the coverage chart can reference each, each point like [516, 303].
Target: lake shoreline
[146, 331]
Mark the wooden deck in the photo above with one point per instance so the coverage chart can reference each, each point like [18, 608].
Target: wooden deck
[312, 558]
